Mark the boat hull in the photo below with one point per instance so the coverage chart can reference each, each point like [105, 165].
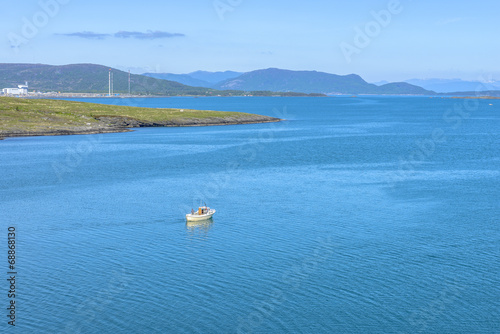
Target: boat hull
[195, 217]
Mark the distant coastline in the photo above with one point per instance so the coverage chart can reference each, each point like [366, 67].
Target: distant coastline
[476, 97]
[44, 117]
[127, 96]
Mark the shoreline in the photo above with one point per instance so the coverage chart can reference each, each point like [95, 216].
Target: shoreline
[29, 118]
[92, 131]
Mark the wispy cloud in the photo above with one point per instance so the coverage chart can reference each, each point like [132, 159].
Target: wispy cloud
[87, 34]
[147, 35]
[125, 34]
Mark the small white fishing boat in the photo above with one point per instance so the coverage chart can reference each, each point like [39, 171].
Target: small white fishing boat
[203, 213]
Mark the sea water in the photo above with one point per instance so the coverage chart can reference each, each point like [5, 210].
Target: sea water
[353, 215]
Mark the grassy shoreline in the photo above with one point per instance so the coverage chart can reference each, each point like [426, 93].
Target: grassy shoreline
[43, 117]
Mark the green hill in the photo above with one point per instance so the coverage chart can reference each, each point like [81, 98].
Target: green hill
[89, 78]
[184, 79]
[278, 80]
[401, 88]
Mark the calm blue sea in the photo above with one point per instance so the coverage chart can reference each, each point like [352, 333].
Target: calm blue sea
[355, 215]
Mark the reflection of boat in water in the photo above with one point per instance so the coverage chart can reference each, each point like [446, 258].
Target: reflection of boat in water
[203, 213]
[200, 225]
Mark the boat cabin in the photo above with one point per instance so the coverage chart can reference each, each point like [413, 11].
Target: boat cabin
[202, 210]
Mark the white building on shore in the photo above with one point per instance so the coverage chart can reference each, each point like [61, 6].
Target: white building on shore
[20, 90]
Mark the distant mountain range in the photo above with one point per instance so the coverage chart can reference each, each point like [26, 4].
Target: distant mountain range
[196, 79]
[454, 85]
[91, 78]
[214, 77]
[278, 80]
[494, 93]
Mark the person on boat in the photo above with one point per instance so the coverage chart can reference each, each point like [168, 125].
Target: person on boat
[192, 211]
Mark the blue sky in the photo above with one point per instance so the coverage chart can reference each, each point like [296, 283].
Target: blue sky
[417, 39]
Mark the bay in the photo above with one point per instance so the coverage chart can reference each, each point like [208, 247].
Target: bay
[354, 215]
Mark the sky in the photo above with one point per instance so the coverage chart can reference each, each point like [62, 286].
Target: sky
[390, 40]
